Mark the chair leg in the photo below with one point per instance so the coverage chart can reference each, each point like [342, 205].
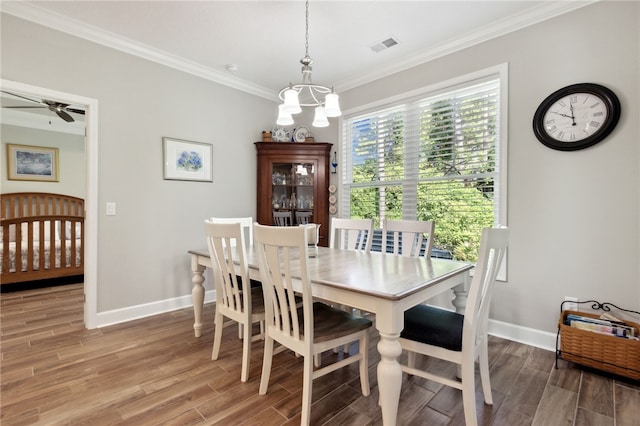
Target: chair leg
[468, 393]
[266, 365]
[411, 359]
[246, 353]
[217, 335]
[364, 363]
[483, 360]
[307, 380]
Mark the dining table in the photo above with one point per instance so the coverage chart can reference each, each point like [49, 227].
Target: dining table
[383, 284]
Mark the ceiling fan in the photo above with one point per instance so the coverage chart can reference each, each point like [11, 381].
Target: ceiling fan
[61, 109]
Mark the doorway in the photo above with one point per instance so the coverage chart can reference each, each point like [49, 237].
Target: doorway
[91, 199]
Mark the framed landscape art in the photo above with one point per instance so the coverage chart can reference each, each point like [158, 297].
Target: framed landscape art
[36, 163]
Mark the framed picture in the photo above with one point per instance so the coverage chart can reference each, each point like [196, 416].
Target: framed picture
[37, 163]
[186, 160]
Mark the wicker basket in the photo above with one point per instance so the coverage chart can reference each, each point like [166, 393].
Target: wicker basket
[608, 353]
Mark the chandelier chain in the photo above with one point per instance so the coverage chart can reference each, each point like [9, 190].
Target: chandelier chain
[306, 30]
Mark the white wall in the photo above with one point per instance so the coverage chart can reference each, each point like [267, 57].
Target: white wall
[142, 251]
[71, 160]
[574, 216]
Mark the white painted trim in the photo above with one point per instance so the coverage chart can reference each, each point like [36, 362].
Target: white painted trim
[131, 313]
[91, 196]
[13, 117]
[534, 15]
[528, 336]
[45, 17]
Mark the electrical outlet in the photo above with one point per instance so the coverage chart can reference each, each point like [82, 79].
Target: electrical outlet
[570, 306]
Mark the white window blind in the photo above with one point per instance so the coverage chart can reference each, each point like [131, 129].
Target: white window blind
[431, 157]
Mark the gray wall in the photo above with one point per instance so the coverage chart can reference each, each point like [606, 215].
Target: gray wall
[142, 251]
[574, 216]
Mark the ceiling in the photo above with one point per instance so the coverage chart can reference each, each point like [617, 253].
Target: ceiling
[266, 39]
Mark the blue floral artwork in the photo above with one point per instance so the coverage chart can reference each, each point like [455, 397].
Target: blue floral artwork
[189, 161]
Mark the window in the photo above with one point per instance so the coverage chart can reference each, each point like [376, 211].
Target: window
[436, 155]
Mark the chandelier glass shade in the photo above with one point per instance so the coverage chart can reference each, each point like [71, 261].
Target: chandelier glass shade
[308, 94]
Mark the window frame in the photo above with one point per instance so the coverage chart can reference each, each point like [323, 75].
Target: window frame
[498, 72]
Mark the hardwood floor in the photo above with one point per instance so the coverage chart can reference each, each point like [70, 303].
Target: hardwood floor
[153, 371]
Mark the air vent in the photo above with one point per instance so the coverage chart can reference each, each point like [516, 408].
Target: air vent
[384, 44]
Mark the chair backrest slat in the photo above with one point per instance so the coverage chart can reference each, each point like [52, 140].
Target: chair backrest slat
[408, 237]
[282, 218]
[351, 234]
[303, 217]
[245, 221]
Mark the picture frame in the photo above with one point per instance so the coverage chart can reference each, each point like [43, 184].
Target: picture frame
[32, 163]
[187, 160]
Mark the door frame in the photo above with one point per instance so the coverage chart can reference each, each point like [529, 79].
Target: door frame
[91, 196]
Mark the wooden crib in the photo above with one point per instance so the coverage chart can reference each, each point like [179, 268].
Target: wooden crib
[42, 236]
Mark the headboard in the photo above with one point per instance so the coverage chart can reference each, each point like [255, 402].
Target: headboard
[59, 219]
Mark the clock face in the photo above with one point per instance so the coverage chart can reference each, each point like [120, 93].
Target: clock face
[576, 116]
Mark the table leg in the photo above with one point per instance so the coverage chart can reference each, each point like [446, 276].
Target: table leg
[461, 291]
[197, 295]
[389, 377]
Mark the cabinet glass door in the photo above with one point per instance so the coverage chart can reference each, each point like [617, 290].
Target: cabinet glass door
[293, 190]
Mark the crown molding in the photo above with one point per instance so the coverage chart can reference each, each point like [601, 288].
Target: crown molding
[80, 29]
[91, 33]
[499, 28]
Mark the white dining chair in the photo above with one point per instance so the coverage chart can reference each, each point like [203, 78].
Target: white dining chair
[282, 218]
[311, 329]
[457, 338]
[245, 221]
[236, 299]
[406, 237]
[303, 217]
[247, 225]
[351, 234]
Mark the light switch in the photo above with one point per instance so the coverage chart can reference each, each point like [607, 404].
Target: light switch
[111, 208]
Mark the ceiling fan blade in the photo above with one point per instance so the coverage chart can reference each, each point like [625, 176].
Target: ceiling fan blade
[25, 106]
[77, 111]
[64, 115]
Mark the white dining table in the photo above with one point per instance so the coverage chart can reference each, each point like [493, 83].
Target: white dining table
[383, 284]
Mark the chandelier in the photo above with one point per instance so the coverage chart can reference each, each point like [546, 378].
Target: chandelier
[307, 94]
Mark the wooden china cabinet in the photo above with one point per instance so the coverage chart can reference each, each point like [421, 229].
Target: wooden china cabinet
[294, 177]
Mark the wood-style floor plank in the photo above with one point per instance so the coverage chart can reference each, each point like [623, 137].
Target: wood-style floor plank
[153, 371]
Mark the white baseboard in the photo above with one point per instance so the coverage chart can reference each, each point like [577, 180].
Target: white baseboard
[130, 313]
[517, 333]
[528, 336]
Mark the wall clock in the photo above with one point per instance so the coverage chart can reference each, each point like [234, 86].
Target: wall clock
[576, 117]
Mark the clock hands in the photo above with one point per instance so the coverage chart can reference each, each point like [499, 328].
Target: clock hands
[563, 115]
[572, 116]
